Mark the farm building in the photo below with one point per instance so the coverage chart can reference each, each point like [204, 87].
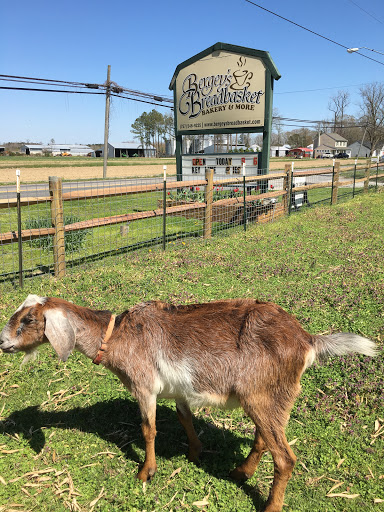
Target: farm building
[2, 149]
[279, 151]
[128, 149]
[300, 152]
[57, 149]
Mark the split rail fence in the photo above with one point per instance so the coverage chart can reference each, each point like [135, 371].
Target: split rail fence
[77, 223]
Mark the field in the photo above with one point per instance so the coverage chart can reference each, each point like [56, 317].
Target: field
[70, 436]
[70, 168]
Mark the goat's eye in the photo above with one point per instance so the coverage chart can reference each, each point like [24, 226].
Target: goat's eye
[27, 319]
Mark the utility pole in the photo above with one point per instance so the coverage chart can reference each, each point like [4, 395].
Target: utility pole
[106, 125]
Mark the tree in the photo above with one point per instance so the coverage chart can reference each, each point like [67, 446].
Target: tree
[154, 128]
[278, 136]
[300, 138]
[372, 110]
[338, 105]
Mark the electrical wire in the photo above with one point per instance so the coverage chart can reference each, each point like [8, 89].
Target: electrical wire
[50, 90]
[311, 31]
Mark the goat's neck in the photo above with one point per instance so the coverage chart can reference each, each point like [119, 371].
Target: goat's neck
[90, 331]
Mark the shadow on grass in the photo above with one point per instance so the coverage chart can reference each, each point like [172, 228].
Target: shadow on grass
[118, 421]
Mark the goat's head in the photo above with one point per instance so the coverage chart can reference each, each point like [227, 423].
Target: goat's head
[36, 322]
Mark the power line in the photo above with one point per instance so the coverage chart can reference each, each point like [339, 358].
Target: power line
[320, 89]
[311, 31]
[141, 101]
[49, 90]
[366, 12]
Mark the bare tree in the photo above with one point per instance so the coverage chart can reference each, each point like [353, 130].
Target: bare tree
[372, 110]
[338, 104]
[278, 135]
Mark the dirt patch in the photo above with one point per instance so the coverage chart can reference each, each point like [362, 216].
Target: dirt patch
[84, 173]
[123, 171]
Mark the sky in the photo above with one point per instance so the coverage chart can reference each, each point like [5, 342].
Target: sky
[143, 42]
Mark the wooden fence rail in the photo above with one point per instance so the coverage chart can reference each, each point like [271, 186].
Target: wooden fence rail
[57, 197]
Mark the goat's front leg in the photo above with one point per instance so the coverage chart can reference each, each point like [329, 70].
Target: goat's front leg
[147, 406]
[185, 417]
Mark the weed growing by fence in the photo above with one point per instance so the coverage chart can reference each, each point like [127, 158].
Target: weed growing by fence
[73, 241]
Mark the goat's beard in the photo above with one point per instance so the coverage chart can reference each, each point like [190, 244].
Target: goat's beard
[31, 355]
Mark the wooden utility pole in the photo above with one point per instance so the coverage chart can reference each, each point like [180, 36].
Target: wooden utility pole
[106, 125]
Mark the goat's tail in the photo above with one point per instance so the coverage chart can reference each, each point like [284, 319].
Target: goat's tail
[343, 343]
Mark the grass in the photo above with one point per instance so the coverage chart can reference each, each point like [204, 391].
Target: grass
[70, 434]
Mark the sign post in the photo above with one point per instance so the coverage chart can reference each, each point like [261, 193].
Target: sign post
[224, 89]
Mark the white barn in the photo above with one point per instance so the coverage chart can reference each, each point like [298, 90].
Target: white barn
[57, 149]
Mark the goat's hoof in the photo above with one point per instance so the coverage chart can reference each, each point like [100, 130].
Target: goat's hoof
[194, 456]
[239, 474]
[146, 474]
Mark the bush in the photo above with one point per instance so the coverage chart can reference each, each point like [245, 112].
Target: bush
[73, 241]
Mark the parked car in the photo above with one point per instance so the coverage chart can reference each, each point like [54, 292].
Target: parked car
[342, 155]
[327, 154]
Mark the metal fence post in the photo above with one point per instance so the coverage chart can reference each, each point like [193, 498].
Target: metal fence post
[335, 182]
[291, 185]
[354, 179]
[208, 203]
[367, 175]
[164, 206]
[244, 201]
[57, 218]
[19, 240]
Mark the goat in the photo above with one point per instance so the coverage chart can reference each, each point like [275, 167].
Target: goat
[228, 353]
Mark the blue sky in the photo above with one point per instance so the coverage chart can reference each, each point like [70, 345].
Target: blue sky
[145, 41]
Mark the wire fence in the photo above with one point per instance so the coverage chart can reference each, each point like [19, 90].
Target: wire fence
[49, 228]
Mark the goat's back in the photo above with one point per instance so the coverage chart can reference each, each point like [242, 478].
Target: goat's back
[223, 349]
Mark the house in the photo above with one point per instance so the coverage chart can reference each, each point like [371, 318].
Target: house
[329, 143]
[57, 149]
[358, 149]
[300, 153]
[279, 151]
[129, 149]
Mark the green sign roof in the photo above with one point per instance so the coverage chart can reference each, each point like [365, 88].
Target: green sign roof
[264, 56]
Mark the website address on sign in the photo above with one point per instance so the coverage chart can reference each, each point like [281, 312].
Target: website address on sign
[222, 124]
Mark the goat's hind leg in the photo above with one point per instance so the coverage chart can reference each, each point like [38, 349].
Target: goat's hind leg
[273, 437]
[185, 417]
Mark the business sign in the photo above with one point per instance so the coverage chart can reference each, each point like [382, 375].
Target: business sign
[226, 164]
[223, 90]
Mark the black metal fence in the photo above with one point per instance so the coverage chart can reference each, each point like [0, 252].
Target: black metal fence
[56, 226]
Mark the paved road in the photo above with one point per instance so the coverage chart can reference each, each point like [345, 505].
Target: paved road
[42, 190]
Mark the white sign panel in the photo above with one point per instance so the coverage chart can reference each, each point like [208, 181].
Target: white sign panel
[227, 164]
[222, 90]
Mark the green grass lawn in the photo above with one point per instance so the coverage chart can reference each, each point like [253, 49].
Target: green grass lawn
[70, 436]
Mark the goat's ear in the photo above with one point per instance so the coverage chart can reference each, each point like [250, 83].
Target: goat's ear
[59, 332]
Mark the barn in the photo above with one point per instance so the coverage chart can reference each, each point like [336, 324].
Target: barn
[129, 149]
[57, 149]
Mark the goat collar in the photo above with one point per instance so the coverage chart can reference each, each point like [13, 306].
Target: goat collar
[108, 333]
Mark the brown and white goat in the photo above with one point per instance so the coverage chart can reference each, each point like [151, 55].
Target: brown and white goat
[227, 354]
